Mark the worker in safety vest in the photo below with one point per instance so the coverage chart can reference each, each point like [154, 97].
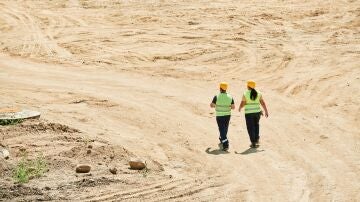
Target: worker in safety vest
[251, 100]
[223, 104]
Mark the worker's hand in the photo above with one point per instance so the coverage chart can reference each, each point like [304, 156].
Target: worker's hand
[266, 114]
[239, 109]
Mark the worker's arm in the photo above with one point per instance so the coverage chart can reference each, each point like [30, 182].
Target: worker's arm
[232, 104]
[262, 102]
[242, 104]
[213, 102]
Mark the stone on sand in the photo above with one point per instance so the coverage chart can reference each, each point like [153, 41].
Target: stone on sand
[4, 153]
[113, 170]
[82, 168]
[137, 164]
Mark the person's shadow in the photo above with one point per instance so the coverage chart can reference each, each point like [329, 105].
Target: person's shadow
[216, 151]
[249, 151]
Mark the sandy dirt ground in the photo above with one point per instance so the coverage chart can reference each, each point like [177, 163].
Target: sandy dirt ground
[135, 79]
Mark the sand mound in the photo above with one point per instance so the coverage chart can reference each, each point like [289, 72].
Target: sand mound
[62, 148]
[33, 127]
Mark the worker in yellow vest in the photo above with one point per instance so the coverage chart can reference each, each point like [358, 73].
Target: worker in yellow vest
[251, 100]
[223, 104]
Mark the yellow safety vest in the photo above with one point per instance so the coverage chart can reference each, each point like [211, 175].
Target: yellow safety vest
[223, 104]
[252, 106]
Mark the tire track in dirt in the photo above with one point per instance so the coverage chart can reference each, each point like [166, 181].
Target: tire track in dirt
[35, 42]
[156, 191]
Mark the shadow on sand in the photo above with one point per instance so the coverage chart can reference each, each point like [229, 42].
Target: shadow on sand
[250, 151]
[216, 151]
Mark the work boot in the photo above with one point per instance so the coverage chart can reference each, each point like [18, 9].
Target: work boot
[221, 146]
[225, 146]
[253, 145]
[257, 144]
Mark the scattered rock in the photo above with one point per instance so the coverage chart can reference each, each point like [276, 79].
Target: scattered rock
[137, 164]
[88, 151]
[113, 171]
[78, 101]
[4, 153]
[90, 146]
[193, 23]
[47, 188]
[112, 157]
[22, 149]
[82, 168]
[324, 137]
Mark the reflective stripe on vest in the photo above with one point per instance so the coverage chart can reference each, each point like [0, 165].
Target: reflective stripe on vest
[252, 106]
[223, 104]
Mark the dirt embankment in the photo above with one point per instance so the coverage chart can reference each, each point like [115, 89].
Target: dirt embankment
[62, 148]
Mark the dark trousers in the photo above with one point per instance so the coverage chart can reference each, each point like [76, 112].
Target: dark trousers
[252, 124]
[223, 124]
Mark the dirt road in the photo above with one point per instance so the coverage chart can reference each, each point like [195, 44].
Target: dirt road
[141, 76]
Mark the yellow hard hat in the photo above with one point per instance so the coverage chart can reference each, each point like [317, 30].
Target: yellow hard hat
[224, 85]
[251, 84]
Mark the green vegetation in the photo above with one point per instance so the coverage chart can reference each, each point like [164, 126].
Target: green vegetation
[5, 122]
[29, 169]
